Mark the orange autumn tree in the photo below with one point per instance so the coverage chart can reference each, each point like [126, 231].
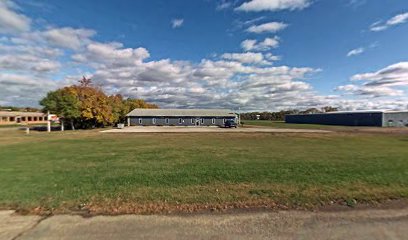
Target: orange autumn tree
[95, 108]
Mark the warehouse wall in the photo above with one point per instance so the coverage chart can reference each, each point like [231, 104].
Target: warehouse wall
[344, 119]
[397, 119]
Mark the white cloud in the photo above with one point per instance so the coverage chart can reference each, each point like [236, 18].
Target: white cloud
[271, 57]
[247, 58]
[27, 62]
[240, 24]
[33, 62]
[176, 23]
[393, 75]
[223, 83]
[68, 37]
[111, 54]
[371, 91]
[396, 20]
[25, 89]
[12, 22]
[273, 5]
[387, 82]
[224, 4]
[254, 45]
[356, 3]
[248, 44]
[355, 52]
[361, 50]
[267, 27]
[29, 49]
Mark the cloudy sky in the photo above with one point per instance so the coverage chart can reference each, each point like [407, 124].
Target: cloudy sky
[248, 54]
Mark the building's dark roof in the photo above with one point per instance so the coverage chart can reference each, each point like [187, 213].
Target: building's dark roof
[140, 112]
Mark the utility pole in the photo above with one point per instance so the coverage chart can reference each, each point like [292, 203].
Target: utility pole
[239, 115]
[48, 122]
[239, 112]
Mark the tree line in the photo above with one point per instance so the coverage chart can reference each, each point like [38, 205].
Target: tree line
[280, 116]
[19, 109]
[87, 106]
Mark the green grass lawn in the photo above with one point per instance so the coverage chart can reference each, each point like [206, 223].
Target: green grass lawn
[126, 173]
[281, 124]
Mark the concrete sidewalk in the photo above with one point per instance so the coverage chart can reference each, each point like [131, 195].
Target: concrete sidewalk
[355, 224]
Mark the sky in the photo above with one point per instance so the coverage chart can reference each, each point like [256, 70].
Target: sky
[253, 55]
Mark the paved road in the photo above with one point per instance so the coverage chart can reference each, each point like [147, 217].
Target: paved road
[165, 129]
[361, 224]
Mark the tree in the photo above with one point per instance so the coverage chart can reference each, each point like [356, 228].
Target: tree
[132, 103]
[64, 103]
[329, 109]
[85, 82]
[311, 111]
[87, 106]
[119, 109]
[95, 108]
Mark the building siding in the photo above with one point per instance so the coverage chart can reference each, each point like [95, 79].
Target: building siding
[11, 118]
[344, 119]
[174, 121]
[395, 119]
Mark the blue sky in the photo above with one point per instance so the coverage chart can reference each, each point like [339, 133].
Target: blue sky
[252, 54]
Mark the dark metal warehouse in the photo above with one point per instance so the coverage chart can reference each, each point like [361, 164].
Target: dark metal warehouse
[180, 117]
[354, 118]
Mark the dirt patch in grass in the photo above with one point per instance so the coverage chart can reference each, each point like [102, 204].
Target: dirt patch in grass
[221, 198]
[343, 205]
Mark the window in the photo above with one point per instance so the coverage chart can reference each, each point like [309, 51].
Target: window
[35, 118]
[40, 118]
[23, 119]
[140, 121]
[154, 120]
[167, 121]
[213, 121]
[45, 118]
[192, 121]
[4, 119]
[12, 119]
[202, 120]
[223, 120]
[180, 121]
[30, 119]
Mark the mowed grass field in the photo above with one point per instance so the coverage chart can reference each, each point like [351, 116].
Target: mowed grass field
[282, 124]
[151, 173]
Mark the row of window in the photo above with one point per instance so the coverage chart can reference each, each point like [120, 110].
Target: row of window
[22, 119]
[180, 121]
